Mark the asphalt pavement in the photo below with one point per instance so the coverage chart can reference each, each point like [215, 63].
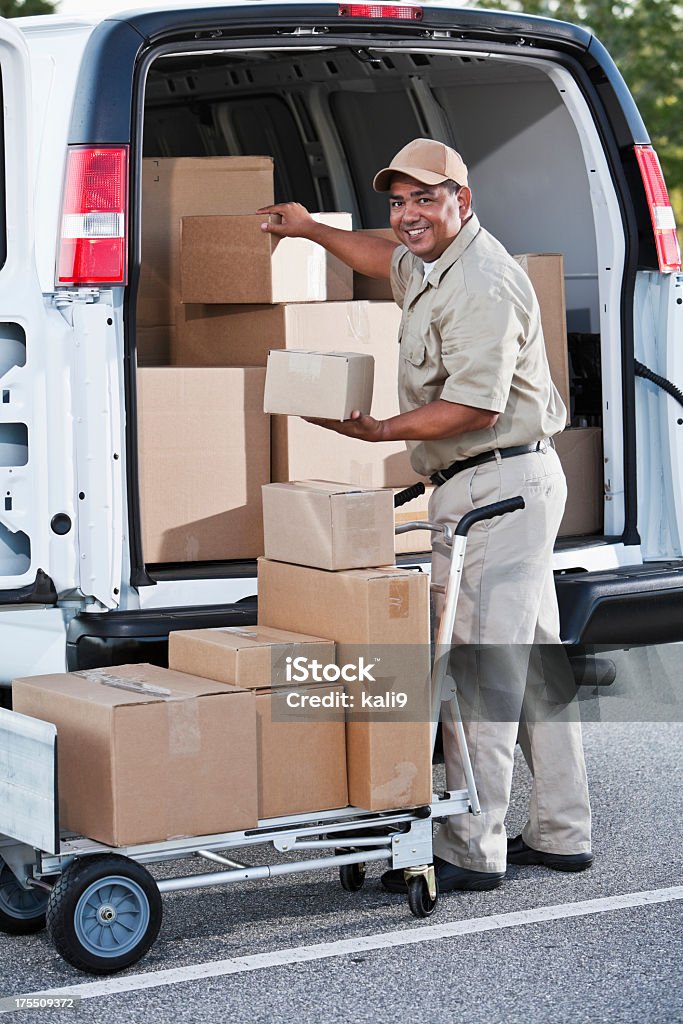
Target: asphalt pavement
[546, 948]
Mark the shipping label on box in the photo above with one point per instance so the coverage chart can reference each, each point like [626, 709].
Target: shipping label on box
[254, 657]
[328, 525]
[325, 385]
[140, 749]
[232, 260]
[177, 187]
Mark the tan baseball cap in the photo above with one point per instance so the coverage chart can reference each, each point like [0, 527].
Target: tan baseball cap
[425, 160]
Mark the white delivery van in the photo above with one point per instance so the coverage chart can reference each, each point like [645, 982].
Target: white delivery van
[93, 111]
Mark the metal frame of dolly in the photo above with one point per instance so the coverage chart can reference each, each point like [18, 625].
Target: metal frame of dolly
[102, 907]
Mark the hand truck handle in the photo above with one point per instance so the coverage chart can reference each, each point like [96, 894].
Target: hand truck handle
[498, 508]
[414, 491]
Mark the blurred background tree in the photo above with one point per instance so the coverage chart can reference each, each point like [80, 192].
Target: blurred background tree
[645, 39]
[25, 8]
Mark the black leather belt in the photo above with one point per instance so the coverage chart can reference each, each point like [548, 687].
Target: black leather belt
[442, 475]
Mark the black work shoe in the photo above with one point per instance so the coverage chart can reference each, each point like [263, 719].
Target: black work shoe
[520, 853]
[449, 878]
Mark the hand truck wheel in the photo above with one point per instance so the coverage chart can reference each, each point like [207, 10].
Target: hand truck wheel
[419, 900]
[104, 913]
[22, 911]
[352, 876]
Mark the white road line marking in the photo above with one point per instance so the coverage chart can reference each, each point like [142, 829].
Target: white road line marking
[385, 940]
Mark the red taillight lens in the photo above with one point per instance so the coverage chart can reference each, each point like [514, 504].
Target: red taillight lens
[94, 215]
[402, 11]
[661, 211]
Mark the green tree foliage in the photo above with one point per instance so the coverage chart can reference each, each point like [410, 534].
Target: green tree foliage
[645, 39]
[25, 8]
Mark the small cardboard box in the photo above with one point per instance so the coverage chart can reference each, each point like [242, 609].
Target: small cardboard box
[176, 187]
[546, 273]
[204, 448]
[328, 525]
[254, 657]
[141, 749]
[231, 259]
[580, 452]
[301, 754]
[374, 288]
[380, 621]
[327, 385]
[413, 511]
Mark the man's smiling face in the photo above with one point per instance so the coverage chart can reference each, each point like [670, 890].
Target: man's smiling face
[426, 218]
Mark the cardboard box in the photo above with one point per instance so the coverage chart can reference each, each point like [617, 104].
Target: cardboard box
[382, 617]
[328, 525]
[254, 657]
[321, 384]
[204, 455]
[580, 452]
[546, 273]
[231, 259]
[176, 187]
[141, 750]
[374, 288]
[413, 511]
[301, 755]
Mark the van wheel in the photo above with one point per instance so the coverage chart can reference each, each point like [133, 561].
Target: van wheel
[104, 913]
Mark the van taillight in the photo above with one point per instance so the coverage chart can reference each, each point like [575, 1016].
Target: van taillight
[404, 11]
[94, 215]
[661, 211]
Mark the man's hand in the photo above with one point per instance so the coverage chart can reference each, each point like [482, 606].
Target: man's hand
[296, 221]
[360, 426]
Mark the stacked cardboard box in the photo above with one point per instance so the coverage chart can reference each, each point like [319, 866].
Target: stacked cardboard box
[300, 753]
[141, 749]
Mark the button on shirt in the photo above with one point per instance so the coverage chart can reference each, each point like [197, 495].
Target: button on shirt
[471, 334]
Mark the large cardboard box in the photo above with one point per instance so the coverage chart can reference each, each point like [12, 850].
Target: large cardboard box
[255, 657]
[321, 384]
[546, 273]
[301, 753]
[154, 345]
[177, 187]
[373, 288]
[204, 454]
[580, 452]
[380, 621]
[328, 525]
[141, 750]
[231, 259]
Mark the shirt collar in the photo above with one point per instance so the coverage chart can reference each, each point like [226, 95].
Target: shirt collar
[468, 232]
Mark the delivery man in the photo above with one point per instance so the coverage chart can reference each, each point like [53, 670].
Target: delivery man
[478, 411]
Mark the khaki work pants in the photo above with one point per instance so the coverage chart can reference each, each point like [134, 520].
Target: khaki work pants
[513, 676]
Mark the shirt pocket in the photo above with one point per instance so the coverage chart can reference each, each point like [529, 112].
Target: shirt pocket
[413, 349]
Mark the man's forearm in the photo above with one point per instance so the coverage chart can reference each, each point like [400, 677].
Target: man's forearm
[436, 421]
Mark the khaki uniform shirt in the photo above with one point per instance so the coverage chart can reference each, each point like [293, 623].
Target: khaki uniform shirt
[471, 334]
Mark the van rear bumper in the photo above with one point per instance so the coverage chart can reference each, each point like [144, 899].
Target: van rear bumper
[623, 607]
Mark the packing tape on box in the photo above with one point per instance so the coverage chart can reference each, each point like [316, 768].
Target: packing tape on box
[184, 734]
[358, 322]
[307, 365]
[316, 272]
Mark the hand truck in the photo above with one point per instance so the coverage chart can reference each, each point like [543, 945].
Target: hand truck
[102, 906]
